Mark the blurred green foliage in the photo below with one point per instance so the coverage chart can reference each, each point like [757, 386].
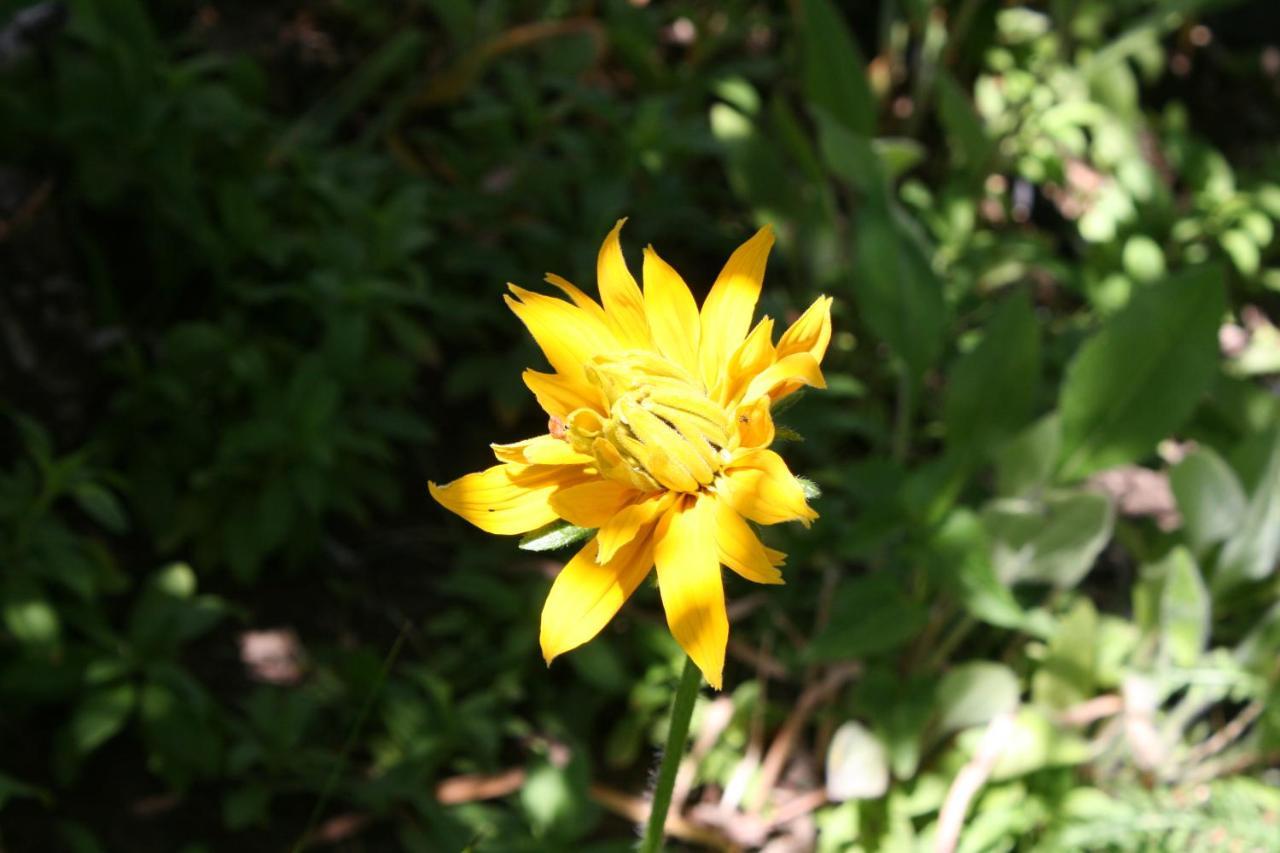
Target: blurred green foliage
[251, 261]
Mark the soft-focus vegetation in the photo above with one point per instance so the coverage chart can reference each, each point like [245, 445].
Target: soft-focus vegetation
[251, 265]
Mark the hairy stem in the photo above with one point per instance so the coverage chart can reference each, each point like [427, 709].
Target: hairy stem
[681, 711]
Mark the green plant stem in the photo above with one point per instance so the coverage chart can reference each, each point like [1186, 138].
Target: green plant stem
[681, 711]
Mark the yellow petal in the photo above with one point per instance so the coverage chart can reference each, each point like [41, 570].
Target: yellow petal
[754, 424]
[586, 594]
[540, 450]
[759, 486]
[810, 333]
[623, 302]
[507, 499]
[775, 556]
[689, 580]
[752, 356]
[785, 376]
[582, 300]
[567, 335]
[559, 395]
[740, 549]
[672, 312]
[627, 524]
[726, 314]
[592, 504]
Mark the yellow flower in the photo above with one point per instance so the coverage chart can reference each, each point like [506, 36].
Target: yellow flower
[659, 438]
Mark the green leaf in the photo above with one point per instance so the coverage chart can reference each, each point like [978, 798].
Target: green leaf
[246, 807]
[963, 562]
[1068, 672]
[1209, 496]
[1184, 609]
[28, 615]
[852, 157]
[835, 78]
[11, 788]
[1251, 553]
[869, 615]
[897, 291]
[1025, 464]
[857, 764]
[1033, 743]
[898, 155]
[557, 534]
[99, 716]
[974, 693]
[1138, 379]
[555, 798]
[1054, 542]
[971, 149]
[102, 506]
[992, 388]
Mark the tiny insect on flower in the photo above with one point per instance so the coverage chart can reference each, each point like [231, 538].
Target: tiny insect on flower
[658, 439]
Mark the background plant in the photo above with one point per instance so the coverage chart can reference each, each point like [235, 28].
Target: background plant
[250, 267]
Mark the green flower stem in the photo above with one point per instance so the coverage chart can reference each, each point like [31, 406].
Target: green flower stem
[681, 711]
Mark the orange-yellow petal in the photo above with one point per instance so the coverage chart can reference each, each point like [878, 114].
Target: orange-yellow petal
[623, 527]
[540, 450]
[507, 499]
[752, 356]
[785, 376]
[586, 594]
[753, 424]
[810, 333]
[689, 579]
[567, 335]
[593, 503]
[558, 395]
[740, 549]
[672, 312]
[623, 302]
[726, 314]
[759, 486]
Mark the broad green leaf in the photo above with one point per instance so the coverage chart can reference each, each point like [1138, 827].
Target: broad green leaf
[971, 149]
[857, 764]
[963, 556]
[1068, 673]
[972, 694]
[1252, 551]
[1025, 464]
[99, 716]
[1209, 496]
[852, 157]
[1138, 379]
[1184, 609]
[102, 506]
[869, 615]
[897, 291]
[992, 387]
[557, 534]
[1054, 542]
[835, 77]
[898, 155]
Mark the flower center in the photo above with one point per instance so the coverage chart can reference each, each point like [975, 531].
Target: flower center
[662, 432]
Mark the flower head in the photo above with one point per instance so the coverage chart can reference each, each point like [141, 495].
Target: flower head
[659, 439]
